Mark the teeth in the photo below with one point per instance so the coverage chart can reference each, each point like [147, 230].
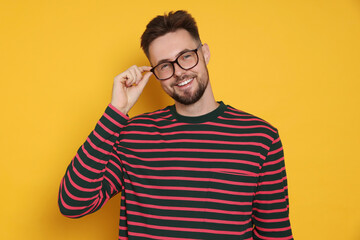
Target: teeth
[185, 82]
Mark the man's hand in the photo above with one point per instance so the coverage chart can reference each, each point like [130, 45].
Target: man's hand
[128, 86]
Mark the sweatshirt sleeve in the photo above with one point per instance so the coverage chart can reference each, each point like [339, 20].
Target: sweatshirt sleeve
[271, 204]
[95, 173]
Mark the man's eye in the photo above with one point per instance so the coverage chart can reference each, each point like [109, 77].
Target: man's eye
[164, 66]
[186, 56]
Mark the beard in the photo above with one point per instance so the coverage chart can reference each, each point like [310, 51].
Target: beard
[188, 98]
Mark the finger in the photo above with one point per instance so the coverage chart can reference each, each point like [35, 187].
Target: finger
[122, 77]
[139, 76]
[147, 76]
[144, 80]
[144, 68]
[131, 79]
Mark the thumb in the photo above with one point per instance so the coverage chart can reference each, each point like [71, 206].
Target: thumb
[144, 80]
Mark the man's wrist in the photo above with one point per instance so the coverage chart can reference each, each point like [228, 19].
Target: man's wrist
[119, 110]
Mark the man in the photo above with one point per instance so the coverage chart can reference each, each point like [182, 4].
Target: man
[198, 169]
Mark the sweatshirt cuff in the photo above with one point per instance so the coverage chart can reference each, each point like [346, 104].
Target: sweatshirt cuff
[118, 112]
[112, 121]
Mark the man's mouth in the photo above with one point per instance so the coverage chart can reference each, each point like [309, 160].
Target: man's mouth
[184, 82]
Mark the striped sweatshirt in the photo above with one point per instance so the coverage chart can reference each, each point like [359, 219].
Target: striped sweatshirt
[218, 176]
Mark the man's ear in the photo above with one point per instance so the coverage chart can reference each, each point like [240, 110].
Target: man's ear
[206, 52]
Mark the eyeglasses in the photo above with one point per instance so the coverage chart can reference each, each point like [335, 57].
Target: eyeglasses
[186, 60]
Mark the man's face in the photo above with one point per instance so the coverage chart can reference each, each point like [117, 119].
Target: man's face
[185, 86]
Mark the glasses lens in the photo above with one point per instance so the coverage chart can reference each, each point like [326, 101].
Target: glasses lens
[164, 70]
[188, 60]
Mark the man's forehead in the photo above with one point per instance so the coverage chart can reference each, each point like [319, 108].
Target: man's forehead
[168, 46]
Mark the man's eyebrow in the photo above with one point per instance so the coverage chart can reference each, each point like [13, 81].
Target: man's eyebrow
[177, 55]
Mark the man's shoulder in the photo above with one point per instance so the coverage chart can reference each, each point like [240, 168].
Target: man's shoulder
[157, 115]
[241, 117]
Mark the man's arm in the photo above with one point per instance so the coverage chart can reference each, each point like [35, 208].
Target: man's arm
[95, 173]
[271, 204]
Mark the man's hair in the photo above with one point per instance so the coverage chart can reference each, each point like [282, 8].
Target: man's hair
[163, 24]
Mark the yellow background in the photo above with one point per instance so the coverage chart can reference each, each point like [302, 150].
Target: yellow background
[294, 63]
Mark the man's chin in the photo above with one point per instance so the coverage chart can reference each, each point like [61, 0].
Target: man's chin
[188, 99]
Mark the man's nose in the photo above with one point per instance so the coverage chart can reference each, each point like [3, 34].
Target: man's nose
[178, 71]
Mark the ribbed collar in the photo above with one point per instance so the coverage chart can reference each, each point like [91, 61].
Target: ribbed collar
[198, 119]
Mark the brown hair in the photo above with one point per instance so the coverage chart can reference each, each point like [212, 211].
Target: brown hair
[170, 22]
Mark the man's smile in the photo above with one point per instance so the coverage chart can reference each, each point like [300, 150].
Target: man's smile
[185, 82]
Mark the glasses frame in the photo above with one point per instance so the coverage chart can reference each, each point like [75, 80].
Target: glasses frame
[177, 62]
